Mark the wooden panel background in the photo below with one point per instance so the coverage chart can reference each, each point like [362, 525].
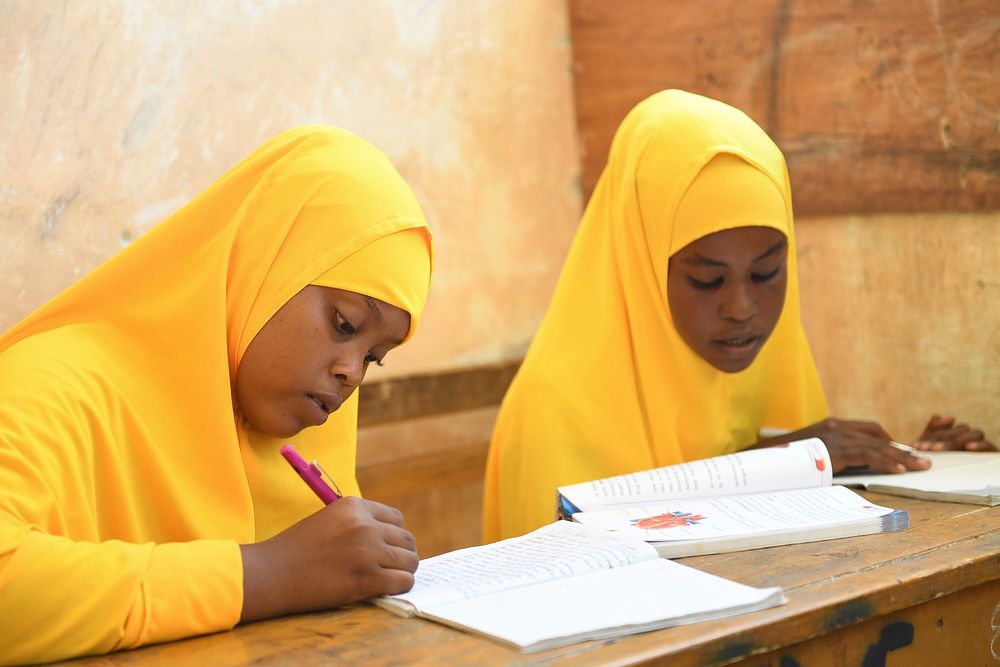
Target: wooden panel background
[878, 106]
[422, 444]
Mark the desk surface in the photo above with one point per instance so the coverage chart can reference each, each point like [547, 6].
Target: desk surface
[830, 585]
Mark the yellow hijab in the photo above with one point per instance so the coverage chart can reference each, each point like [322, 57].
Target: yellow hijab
[117, 405]
[608, 386]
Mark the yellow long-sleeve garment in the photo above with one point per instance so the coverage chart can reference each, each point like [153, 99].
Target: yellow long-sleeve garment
[127, 477]
[608, 386]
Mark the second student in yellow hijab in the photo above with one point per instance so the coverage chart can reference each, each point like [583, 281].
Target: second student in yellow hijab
[674, 330]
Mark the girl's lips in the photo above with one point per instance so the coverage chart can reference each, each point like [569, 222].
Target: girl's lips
[736, 341]
[319, 411]
[329, 402]
[737, 347]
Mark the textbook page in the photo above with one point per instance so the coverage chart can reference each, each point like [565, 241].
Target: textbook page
[970, 477]
[730, 523]
[558, 550]
[609, 603]
[797, 465]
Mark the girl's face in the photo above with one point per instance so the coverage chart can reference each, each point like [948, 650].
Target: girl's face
[726, 291]
[308, 359]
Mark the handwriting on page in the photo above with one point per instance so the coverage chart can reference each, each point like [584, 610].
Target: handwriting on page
[561, 552]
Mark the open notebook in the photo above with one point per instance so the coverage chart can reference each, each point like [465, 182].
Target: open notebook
[565, 583]
[957, 477]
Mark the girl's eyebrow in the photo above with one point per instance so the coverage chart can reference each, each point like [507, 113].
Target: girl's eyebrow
[701, 260]
[377, 313]
[776, 248]
[373, 306]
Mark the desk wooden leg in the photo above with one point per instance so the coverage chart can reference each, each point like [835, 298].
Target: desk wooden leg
[959, 629]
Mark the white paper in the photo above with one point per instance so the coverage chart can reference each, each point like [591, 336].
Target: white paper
[736, 515]
[650, 595]
[800, 464]
[959, 472]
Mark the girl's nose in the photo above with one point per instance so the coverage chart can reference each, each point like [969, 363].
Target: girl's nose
[349, 369]
[738, 304]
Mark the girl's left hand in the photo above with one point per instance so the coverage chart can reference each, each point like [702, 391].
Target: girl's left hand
[943, 433]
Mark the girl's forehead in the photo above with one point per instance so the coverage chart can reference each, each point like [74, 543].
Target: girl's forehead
[755, 241]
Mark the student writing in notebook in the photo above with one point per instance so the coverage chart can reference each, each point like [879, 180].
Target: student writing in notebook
[674, 330]
[142, 494]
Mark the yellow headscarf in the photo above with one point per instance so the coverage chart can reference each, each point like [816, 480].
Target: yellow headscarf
[126, 478]
[608, 386]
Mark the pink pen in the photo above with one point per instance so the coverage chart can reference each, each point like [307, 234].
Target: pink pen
[311, 474]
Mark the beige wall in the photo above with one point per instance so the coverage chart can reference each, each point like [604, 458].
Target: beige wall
[903, 315]
[116, 113]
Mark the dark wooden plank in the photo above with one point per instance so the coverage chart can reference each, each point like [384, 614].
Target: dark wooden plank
[878, 106]
[422, 395]
[424, 473]
[954, 629]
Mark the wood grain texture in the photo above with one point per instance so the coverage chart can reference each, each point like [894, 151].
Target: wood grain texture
[431, 469]
[841, 593]
[936, 632]
[878, 106]
[425, 394]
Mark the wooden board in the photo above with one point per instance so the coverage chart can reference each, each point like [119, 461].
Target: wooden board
[878, 106]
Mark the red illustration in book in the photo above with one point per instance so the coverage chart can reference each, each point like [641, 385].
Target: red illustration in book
[668, 520]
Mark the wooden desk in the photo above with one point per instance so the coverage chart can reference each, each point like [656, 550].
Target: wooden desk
[926, 596]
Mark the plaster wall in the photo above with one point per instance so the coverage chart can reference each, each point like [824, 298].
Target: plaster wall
[116, 113]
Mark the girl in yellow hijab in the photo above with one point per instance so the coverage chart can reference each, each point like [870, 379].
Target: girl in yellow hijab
[142, 494]
[674, 330]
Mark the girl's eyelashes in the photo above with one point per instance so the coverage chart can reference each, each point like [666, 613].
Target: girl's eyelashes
[372, 359]
[765, 277]
[704, 285]
[707, 285]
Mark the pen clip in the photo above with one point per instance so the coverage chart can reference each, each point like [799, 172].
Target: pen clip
[324, 473]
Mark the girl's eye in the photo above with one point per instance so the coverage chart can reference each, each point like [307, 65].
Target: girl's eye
[765, 277]
[703, 285]
[372, 359]
[343, 326]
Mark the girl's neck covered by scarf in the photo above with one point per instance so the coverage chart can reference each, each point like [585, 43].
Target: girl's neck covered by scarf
[608, 386]
[119, 417]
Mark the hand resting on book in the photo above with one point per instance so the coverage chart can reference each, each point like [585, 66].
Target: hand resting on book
[865, 444]
[943, 432]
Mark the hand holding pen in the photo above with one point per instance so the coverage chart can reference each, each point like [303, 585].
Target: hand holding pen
[857, 444]
[352, 549]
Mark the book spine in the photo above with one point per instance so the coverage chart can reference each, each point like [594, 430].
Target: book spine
[564, 508]
[895, 520]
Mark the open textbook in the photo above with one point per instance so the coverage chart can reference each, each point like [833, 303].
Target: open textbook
[747, 500]
[958, 477]
[565, 583]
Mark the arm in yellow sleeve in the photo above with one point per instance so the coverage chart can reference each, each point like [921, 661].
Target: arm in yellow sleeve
[87, 564]
[61, 598]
